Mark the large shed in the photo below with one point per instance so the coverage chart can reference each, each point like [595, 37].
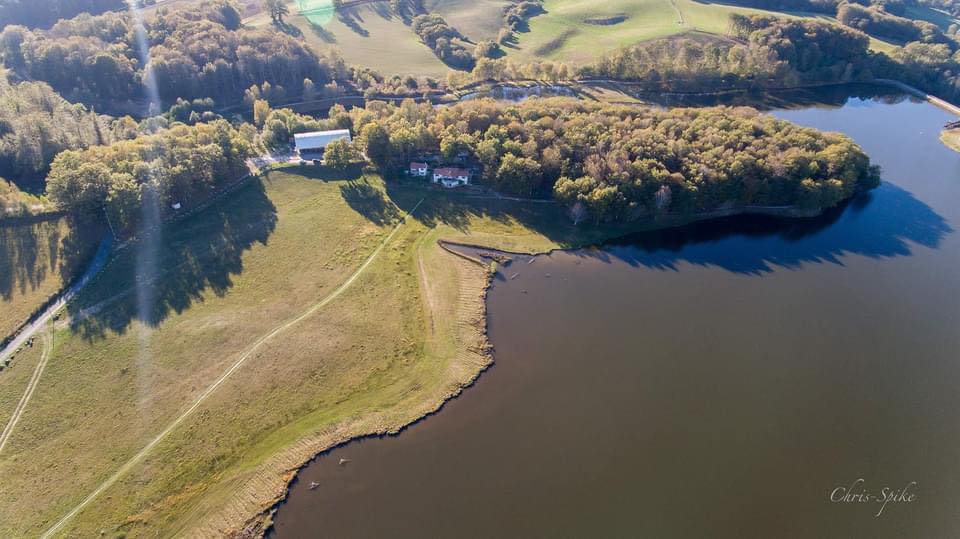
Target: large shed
[315, 141]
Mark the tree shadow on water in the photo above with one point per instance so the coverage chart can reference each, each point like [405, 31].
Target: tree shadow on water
[879, 224]
[197, 255]
[884, 223]
[821, 97]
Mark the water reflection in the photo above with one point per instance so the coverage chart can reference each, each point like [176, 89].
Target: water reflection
[852, 95]
[677, 395]
[880, 224]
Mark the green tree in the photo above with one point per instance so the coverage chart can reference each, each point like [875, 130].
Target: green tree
[487, 49]
[375, 142]
[518, 175]
[309, 90]
[277, 10]
[261, 110]
[339, 154]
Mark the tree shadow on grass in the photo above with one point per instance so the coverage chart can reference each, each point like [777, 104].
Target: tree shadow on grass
[32, 249]
[288, 29]
[883, 223]
[327, 174]
[198, 255]
[458, 210]
[324, 34]
[384, 10]
[351, 19]
[370, 202]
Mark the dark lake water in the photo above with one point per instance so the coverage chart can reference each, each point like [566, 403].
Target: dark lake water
[720, 380]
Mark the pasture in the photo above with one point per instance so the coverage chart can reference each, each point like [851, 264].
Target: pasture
[571, 31]
[368, 35]
[260, 264]
[37, 259]
[577, 31]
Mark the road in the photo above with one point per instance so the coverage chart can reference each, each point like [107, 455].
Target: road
[28, 331]
[246, 354]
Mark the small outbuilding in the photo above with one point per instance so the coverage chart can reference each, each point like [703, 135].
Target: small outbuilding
[418, 169]
[311, 145]
[451, 177]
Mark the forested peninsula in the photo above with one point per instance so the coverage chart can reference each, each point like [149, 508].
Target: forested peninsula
[606, 162]
[619, 163]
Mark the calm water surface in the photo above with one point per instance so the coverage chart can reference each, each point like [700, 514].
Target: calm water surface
[715, 381]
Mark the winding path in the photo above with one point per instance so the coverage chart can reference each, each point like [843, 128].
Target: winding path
[246, 354]
[28, 331]
[99, 260]
[31, 386]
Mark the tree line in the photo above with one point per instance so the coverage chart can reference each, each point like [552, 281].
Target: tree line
[176, 164]
[765, 52]
[36, 124]
[516, 17]
[617, 163]
[443, 39]
[196, 52]
[878, 22]
[43, 13]
[605, 162]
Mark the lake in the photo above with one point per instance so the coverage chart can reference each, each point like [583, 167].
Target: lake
[734, 378]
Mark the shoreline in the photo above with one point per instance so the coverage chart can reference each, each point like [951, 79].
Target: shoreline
[951, 139]
[270, 485]
[261, 524]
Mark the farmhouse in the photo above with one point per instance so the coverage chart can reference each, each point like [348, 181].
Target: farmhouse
[418, 169]
[451, 177]
[311, 145]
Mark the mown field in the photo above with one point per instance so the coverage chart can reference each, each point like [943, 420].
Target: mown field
[572, 31]
[36, 260]
[577, 31]
[404, 336]
[366, 35]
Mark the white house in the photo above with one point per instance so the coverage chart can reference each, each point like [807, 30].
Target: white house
[418, 169]
[314, 142]
[451, 177]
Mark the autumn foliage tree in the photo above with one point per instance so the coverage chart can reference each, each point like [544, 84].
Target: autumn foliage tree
[620, 163]
[180, 164]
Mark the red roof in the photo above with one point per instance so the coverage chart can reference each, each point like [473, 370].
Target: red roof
[416, 165]
[451, 172]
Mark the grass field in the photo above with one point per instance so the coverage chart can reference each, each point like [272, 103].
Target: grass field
[14, 379]
[923, 13]
[367, 35]
[569, 32]
[406, 335]
[372, 35]
[477, 19]
[36, 259]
